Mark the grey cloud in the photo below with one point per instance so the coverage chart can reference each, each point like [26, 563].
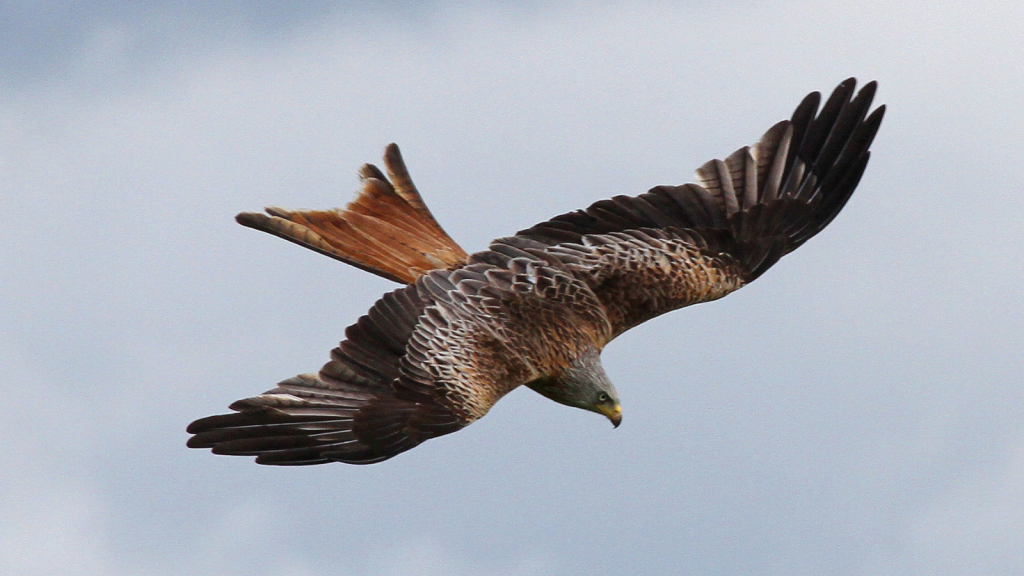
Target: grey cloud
[110, 46]
[853, 412]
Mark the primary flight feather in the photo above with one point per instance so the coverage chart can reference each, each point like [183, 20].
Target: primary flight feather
[537, 308]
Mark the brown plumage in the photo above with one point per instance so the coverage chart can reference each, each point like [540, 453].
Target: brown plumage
[387, 229]
[536, 308]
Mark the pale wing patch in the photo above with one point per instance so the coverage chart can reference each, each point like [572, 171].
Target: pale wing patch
[641, 274]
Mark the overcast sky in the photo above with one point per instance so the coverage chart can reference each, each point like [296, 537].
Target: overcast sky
[857, 411]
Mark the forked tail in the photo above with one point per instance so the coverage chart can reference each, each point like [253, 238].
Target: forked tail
[387, 229]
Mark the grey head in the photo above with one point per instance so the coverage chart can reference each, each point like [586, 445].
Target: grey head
[582, 384]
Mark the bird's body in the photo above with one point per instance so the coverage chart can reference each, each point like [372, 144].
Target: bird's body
[537, 308]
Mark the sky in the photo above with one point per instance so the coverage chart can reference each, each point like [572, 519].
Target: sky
[856, 411]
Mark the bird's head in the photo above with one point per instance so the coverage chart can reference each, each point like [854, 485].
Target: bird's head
[583, 384]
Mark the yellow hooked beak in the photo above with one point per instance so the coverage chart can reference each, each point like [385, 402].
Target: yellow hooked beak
[613, 413]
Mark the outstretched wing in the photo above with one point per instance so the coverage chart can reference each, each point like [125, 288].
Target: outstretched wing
[680, 245]
[427, 360]
[431, 358]
[351, 411]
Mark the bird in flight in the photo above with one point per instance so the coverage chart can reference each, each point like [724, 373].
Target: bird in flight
[536, 308]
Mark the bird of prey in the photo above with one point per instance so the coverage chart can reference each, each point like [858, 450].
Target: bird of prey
[536, 308]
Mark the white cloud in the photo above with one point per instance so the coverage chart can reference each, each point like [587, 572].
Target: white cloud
[854, 408]
[51, 527]
[973, 527]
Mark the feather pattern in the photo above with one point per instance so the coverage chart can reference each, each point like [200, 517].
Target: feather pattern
[386, 230]
[434, 356]
[714, 237]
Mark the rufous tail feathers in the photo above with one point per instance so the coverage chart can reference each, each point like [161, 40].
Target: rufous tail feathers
[387, 229]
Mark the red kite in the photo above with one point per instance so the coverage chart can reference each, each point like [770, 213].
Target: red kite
[537, 308]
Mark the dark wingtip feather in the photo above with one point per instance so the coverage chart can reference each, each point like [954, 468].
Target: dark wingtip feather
[827, 157]
[807, 108]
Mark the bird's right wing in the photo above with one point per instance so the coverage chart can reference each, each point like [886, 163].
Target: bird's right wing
[427, 360]
[350, 412]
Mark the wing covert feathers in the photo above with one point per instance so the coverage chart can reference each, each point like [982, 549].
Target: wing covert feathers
[434, 356]
[427, 360]
[353, 411]
[386, 230]
[679, 245]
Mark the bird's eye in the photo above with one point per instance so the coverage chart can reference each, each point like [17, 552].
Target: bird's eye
[602, 397]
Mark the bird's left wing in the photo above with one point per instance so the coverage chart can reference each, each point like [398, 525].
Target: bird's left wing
[680, 245]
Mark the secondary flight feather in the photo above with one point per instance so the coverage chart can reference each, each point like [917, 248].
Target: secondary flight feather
[536, 308]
